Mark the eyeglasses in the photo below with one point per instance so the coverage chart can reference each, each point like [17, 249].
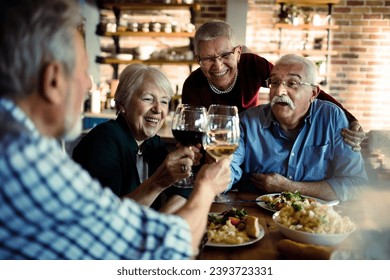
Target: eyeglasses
[209, 60]
[81, 27]
[290, 83]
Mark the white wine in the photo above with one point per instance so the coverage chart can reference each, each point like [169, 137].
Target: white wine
[221, 151]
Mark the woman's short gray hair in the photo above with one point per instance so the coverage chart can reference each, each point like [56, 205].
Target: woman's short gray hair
[212, 30]
[131, 81]
[309, 66]
[32, 35]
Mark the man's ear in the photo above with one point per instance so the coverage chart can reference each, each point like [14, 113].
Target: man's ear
[315, 92]
[239, 51]
[53, 82]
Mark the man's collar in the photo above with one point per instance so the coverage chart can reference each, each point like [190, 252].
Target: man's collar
[12, 109]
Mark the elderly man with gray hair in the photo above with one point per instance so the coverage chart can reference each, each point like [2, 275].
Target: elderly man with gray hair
[294, 142]
[50, 207]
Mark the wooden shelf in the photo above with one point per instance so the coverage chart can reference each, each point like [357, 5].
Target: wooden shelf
[147, 34]
[307, 26]
[306, 52]
[308, 3]
[165, 131]
[119, 8]
[107, 114]
[149, 6]
[322, 54]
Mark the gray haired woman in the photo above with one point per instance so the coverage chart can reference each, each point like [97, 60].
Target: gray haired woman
[126, 154]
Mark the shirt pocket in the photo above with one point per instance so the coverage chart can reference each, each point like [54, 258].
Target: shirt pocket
[316, 163]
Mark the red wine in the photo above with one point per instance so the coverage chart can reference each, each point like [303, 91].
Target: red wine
[187, 138]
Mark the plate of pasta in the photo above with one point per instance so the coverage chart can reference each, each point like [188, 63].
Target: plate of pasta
[276, 201]
[315, 223]
[233, 228]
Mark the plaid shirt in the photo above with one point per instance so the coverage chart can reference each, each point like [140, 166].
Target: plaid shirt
[50, 208]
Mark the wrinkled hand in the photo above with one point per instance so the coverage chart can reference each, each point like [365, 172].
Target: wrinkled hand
[214, 176]
[354, 136]
[198, 154]
[171, 170]
[269, 183]
[197, 149]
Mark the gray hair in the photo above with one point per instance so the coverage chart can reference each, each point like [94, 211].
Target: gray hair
[131, 81]
[212, 30]
[34, 33]
[309, 66]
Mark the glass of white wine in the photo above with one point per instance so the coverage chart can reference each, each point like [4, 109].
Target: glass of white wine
[222, 134]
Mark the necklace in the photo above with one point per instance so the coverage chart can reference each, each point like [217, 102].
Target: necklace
[140, 149]
[229, 89]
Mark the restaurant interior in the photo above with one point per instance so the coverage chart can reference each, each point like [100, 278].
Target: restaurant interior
[348, 40]
[352, 52]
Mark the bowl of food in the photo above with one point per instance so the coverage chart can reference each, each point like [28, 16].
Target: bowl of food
[313, 223]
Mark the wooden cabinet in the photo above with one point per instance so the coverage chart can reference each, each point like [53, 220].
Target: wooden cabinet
[300, 21]
[115, 56]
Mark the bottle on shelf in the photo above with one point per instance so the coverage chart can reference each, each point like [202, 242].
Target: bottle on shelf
[175, 100]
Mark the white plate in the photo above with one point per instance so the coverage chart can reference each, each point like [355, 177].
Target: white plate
[250, 241]
[262, 204]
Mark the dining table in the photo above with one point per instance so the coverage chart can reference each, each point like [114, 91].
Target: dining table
[267, 247]
[263, 249]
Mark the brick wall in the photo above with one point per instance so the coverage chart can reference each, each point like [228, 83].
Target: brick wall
[359, 75]
[361, 70]
[210, 9]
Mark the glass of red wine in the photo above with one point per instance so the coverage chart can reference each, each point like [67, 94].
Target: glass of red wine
[188, 125]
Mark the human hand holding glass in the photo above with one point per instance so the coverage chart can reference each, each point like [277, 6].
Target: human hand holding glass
[222, 134]
[188, 125]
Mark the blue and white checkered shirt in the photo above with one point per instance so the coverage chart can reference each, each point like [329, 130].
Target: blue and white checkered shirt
[50, 208]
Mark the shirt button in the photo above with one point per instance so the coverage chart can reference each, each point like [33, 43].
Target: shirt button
[290, 177]
[292, 154]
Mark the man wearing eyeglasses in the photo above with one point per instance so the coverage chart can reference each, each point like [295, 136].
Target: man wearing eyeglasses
[294, 142]
[228, 76]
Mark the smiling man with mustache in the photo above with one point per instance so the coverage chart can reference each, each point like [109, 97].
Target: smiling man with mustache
[294, 142]
[283, 99]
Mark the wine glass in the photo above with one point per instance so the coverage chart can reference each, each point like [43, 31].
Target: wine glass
[188, 125]
[222, 135]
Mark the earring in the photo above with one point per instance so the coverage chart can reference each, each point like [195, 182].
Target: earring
[123, 111]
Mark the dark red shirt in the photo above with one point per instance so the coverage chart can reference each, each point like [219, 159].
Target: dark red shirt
[253, 70]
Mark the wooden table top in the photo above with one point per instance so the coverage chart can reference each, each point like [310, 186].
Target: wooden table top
[264, 249]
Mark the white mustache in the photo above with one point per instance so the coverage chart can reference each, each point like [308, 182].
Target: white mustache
[283, 99]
